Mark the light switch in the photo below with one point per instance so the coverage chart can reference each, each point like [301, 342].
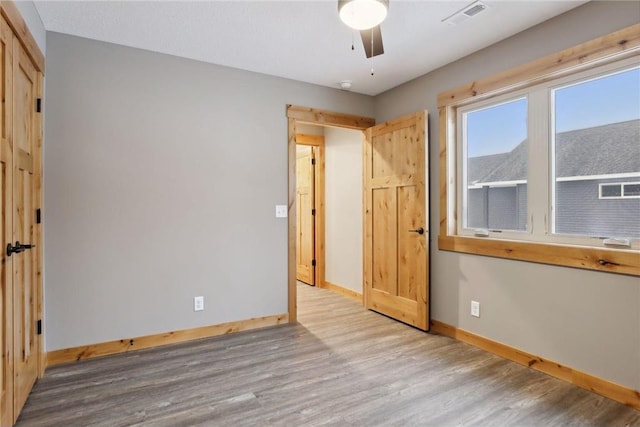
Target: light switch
[198, 303]
[281, 211]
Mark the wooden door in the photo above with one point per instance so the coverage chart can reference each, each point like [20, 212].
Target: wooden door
[396, 220]
[305, 202]
[25, 283]
[6, 227]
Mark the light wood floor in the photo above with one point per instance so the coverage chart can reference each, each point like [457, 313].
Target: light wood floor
[342, 366]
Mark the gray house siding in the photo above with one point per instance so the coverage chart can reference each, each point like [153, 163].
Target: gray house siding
[579, 210]
[503, 208]
[477, 208]
[522, 207]
[498, 208]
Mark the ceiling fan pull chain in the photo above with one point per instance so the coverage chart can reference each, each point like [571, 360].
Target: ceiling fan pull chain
[372, 73]
[352, 37]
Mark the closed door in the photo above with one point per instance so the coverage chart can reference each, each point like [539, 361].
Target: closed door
[6, 230]
[305, 202]
[24, 262]
[396, 221]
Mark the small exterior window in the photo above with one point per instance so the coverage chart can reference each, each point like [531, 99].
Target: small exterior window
[610, 191]
[620, 191]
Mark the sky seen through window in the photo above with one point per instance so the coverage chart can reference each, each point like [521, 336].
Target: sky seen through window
[610, 99]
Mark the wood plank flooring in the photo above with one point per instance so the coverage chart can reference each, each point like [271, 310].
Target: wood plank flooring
[341, 366]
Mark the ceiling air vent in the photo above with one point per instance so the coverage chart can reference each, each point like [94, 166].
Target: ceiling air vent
[465, 13]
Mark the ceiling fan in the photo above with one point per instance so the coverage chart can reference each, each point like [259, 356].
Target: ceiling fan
[366, 17]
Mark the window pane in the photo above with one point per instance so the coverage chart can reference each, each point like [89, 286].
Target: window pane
[597, 141]
[611, 190]
[496, 166]
[632, 190]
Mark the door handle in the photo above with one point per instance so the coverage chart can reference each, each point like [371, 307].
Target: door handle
[13, 249]
[418, 230]
[18, 248]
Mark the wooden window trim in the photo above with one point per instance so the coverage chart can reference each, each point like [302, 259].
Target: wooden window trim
[613, 47]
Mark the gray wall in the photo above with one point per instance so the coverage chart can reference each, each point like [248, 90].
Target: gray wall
[586, 320]
[343, 207]
[161, 177]
[31, 17]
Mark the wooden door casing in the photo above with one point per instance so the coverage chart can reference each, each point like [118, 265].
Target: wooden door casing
[305, 202]
[396, 258]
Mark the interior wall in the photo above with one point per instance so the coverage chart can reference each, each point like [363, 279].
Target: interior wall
[309, 129]
[161, 179]
[343, 207]
[583, 319]
[32, 18]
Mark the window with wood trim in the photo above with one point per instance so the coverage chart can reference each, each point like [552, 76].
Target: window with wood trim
[548, 160]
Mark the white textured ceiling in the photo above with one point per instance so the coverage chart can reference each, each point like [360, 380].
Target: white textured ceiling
[300, 40]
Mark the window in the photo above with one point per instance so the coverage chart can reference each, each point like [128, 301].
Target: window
[542, 163]
[620, 190]
[538, 182]
[494, 177]
[596, 142]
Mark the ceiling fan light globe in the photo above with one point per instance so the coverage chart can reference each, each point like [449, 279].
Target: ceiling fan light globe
[362, 14]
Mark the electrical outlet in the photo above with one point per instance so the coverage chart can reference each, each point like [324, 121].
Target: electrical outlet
[198, 303]
[475, 308]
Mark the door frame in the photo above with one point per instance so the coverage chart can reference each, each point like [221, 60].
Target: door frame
[316, 142]
[311, 116]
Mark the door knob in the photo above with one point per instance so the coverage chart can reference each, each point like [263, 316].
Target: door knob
[418, 230]
[11, 249]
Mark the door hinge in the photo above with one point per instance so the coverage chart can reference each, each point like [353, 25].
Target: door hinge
[38, 105]
[313, 161]
[38, 216]
[39, 327]
[313, 263]
[313, 211]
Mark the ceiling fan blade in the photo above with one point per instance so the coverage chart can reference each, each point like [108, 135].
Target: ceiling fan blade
[375, 48]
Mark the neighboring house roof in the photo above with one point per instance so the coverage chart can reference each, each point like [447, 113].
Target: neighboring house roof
[479, 167]
[600, 150]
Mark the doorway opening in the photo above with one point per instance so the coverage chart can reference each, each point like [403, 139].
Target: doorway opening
[395, 235]
[329, 209]
[307, 128]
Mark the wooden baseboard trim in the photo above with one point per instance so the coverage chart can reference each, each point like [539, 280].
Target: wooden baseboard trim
[65, 355]
[343, 291]
[589, 382]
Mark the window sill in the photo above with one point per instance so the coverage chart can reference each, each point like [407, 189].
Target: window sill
[599, 259]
